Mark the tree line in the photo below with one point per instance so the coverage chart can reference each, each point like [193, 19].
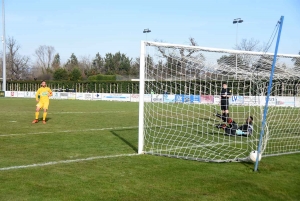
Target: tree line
[46, 64]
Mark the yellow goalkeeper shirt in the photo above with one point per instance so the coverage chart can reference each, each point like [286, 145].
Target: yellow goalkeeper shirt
[44, 93]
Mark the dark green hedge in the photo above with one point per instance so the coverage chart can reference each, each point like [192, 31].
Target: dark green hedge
[178, 87]
[100, 77]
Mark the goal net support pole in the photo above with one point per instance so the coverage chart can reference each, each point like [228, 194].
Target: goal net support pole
[268, 94]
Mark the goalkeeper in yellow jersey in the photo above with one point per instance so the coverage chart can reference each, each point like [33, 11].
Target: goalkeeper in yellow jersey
[42, 97]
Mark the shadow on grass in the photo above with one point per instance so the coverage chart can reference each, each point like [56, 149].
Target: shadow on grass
[41, 119]
[126, 141]
[249, 165]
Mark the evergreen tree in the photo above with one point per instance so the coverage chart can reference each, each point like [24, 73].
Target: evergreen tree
[75, 75]
[56, 62]
[60, 74]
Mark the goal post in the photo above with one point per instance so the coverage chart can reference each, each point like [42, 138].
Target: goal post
[179, 108]
[141, 99]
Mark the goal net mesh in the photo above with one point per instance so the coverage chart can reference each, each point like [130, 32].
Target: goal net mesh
[181, 97]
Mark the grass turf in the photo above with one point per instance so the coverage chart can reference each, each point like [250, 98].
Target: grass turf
[83, 129]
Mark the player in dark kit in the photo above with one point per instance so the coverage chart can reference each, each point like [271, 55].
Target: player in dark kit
[225, 94]
[232, 128]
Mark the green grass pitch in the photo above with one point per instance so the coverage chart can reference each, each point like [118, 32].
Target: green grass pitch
[88, 151]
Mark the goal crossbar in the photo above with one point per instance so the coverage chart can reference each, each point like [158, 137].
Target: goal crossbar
[209, 49]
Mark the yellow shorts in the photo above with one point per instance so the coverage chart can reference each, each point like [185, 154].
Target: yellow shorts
[43, 105]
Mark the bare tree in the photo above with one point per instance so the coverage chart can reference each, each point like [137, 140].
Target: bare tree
[250, 65]
[45, 57]
[179, 61]
[84, 65]
[249, 45]
[17, 65]
[297, 64]
[247, 62]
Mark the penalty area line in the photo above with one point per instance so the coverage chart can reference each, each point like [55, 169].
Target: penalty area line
[65, 161]
[68, 131]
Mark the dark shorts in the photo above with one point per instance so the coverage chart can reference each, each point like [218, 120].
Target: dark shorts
[225, 104]
[230, 131]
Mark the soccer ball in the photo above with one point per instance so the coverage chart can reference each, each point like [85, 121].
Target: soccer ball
[253, 155]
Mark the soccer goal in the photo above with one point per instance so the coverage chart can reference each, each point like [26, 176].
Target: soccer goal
[180, 90]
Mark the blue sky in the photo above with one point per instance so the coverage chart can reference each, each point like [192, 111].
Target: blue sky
[85, 27]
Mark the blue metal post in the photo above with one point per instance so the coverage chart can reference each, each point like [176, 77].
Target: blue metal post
[268, 95]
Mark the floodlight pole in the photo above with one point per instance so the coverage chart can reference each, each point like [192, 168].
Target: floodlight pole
[146, 31]
[236, 21]
[4, 50]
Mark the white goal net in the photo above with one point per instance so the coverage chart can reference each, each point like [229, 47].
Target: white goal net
[180, 93]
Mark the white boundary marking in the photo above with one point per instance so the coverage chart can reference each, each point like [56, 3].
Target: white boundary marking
[78, 112]
[102, 112]
[65, 161]
[67, 131]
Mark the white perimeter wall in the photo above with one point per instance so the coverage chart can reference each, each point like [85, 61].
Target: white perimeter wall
[285, 101]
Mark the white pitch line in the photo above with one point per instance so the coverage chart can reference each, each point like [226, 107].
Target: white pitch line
[67, 131]
[99, 112]
[17, 134]
[102, 112]
[64, 161]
